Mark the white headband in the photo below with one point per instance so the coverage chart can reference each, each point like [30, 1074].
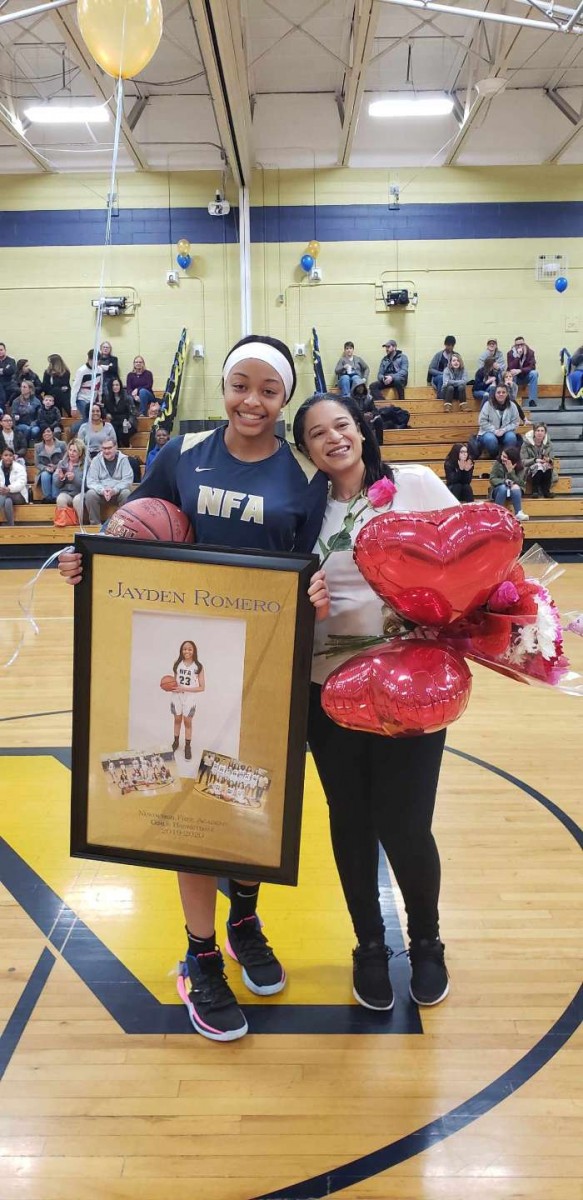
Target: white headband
[265, 353]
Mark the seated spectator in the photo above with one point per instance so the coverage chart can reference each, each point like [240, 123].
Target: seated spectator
[508, 380]
[140, 384]
[154, 409]
[493, 352]
[49, 416]
[537, 457]
[459, 469]
[11, 438]
[47, 456]
[68, 476]
[57, 381]
[13, 485]
[25, 409]
[453, 387]
[521, 362]
[485, 380]
[25, 371]
[507, 481]
[7, 373]
[109, 363]
[499, 420]
[161, 436]
[120, 411]
[94, 432]
[350, 367]
[109, 480]
[82, 392]
[439, 362]
[393, 372]
[363, 399]
[575, 375]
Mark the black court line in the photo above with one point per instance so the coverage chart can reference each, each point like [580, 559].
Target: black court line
[24, 1008]
[57, 712]
[134, 1007]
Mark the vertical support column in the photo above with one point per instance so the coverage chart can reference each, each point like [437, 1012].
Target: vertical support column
[245, 260]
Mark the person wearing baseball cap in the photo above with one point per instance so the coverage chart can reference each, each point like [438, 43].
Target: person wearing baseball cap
[393, 372]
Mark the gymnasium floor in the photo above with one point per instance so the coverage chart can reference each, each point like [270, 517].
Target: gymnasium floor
[107, 1093]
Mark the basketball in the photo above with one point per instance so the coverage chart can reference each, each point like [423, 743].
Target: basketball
[151, 519]
[168, 683]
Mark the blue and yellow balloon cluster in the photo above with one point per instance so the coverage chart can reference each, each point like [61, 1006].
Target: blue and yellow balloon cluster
[184, 257]
[308, 259]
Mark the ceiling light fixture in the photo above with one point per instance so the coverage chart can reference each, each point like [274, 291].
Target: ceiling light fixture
[55, 114]
[411, 106]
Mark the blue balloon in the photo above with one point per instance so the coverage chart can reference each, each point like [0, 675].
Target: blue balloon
[561, 284]
[183, 260]
[307, 262]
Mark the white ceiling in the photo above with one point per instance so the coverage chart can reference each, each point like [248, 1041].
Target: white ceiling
[305, 78]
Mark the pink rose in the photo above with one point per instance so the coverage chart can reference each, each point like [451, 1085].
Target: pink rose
[503, 597]
[381, 493]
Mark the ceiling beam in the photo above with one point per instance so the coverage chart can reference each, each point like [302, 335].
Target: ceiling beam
[563, 106]
[220, 40]
[481, 103]
[137, 110]
[101, 83]
[13, 133]
[363, 36]
[559, 150]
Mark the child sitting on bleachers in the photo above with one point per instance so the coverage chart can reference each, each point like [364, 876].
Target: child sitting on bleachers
[455, 378]
[49, 416]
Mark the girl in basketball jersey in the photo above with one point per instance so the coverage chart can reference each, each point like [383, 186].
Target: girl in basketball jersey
[189, 675]
[281, 499]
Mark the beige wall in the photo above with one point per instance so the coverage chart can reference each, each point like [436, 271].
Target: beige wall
[474, 289]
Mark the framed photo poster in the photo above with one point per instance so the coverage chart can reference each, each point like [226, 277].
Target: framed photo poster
[190, 696]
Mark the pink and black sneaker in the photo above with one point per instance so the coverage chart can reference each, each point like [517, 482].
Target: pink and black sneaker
[212, 1006]
[261, 971]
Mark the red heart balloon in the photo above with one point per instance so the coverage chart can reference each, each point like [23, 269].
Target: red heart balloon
[402, 688]
[433, 567]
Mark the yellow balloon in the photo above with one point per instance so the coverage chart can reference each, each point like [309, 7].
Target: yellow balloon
[313, 249]
[122, 35]
[183, 246]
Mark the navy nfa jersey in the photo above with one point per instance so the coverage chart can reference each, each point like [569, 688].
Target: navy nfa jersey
[277, 503]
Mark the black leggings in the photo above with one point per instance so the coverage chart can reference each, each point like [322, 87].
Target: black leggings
[462, 492]
[380, 789]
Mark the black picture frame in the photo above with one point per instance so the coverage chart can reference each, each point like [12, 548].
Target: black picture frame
[88, 674]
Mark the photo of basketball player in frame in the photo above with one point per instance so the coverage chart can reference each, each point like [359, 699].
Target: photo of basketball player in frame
[190, 696]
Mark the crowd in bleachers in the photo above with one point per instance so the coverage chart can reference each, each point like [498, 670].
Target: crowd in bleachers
[519, 461]
[35, 415]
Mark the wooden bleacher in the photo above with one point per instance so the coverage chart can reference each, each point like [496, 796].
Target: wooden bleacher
[432, 432]
[556, 522]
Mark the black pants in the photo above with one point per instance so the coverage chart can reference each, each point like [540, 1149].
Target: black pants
[541, 482]
[462, 492]
[454, 391]
[377, 389]
[380, 789]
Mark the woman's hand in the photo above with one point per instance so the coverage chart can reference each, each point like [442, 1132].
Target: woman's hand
[70, 566]
[319, 595]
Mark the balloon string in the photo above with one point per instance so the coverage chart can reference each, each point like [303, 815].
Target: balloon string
[26, 608]
[101, 298]
[26, 603]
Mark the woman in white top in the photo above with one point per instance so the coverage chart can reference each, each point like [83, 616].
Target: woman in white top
[378, 788]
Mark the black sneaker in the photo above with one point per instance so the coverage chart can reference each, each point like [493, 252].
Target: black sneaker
[371, 985]
[187, 751]
[175, 744]
[429, 978]
[212, 1006]
[262, 973]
